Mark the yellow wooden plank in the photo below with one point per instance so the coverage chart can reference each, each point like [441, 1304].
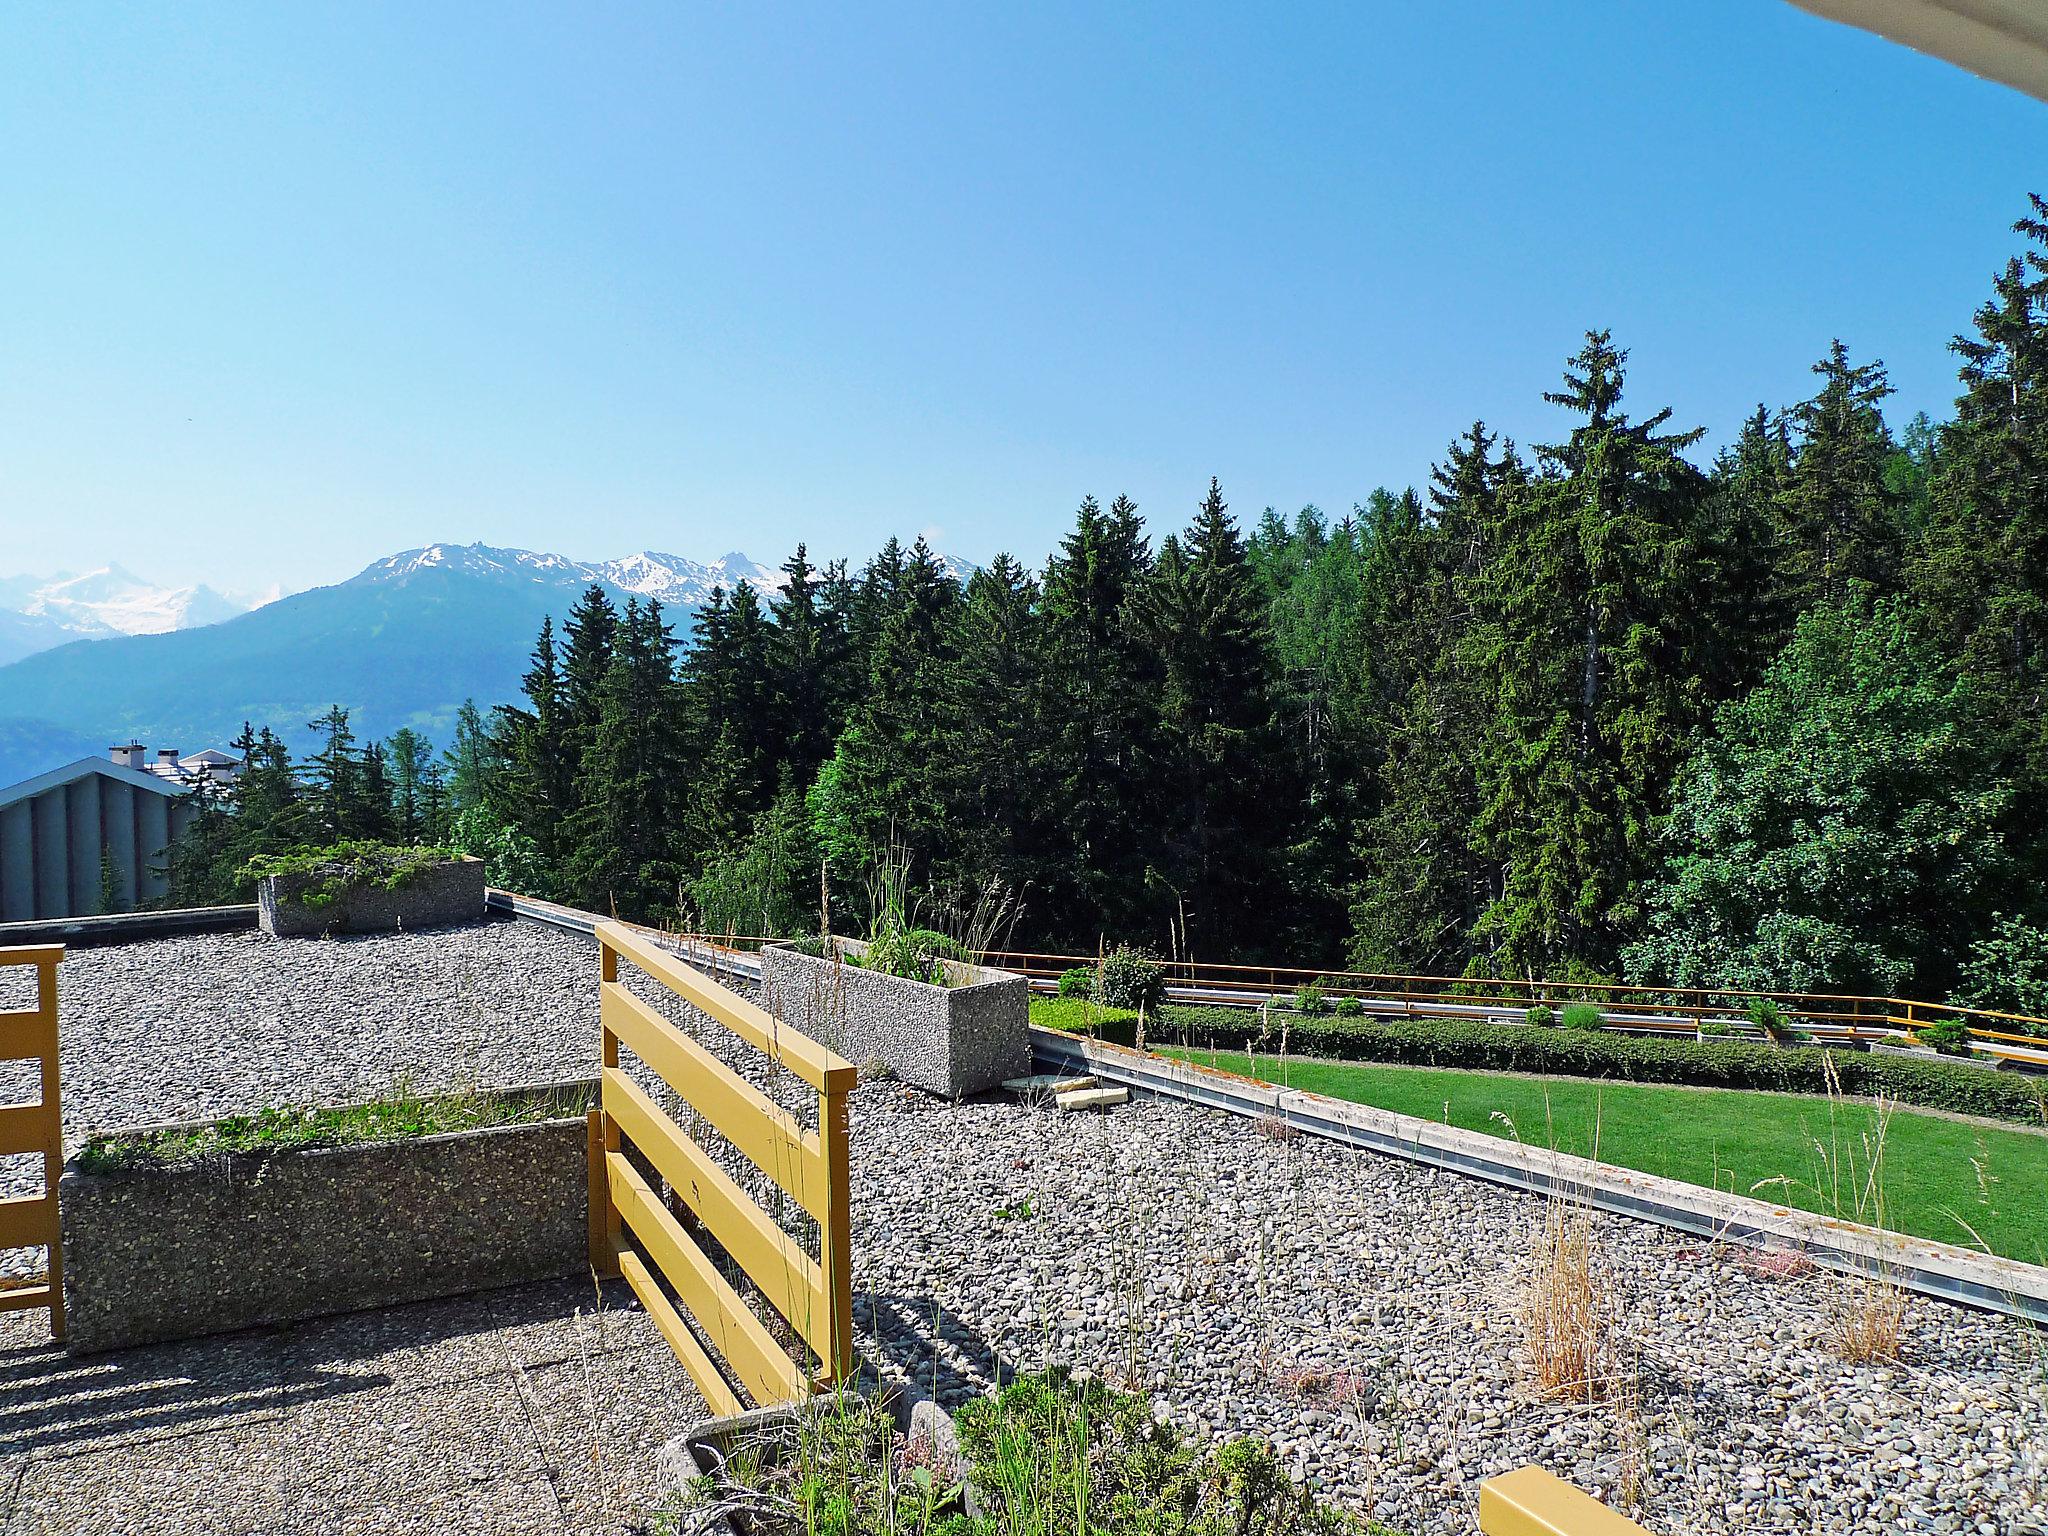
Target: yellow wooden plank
[719, 1396]
[19, 1298]
[765, 1133]
[782, 1044]
[28, 1221]
[773, 1260]
[25, 1128]
[755, 1357]
[32, 954]
[27, 1032]
[1531, 1502]
[835, 1235]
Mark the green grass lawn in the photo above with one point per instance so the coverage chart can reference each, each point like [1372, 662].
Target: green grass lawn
[1937, 1174]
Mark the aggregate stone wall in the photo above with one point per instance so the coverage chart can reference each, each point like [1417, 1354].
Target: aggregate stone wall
[950, 1041]
[433, 898]
[255, 1240]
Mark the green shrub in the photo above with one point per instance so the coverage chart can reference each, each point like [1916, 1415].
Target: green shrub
[1716, 1029]
[902, 952]
[1767, 1016]
[1350, 1008]
[1079, 982]
[1951, 1037]
[1082, 1016]
[1582, 1016]
[1132, 979]
[1310, 1000]
[386, 866]
[1542, 1015]
[1927, 1082]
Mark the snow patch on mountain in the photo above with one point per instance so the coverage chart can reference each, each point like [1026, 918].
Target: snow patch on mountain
[37, 612]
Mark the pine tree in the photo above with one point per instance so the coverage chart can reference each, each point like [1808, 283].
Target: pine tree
[621, 856]
[472, 760]
[334, 778]
[538, 746]
[409, 753]
[1594, 639]
[371, 819]
[1096, 726]
[588, 637]
[807, 659]
[1839, 518]
[1226, 796]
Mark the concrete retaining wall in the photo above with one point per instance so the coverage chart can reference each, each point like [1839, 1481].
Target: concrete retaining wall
[257, 1240]
[946, 1040]
[434, 898]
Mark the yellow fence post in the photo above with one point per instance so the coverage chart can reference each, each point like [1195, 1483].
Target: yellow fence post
[835, 1233]
[31, 1221]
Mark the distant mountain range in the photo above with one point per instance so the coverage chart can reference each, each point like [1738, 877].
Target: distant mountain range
[38, 612]
[403, 642]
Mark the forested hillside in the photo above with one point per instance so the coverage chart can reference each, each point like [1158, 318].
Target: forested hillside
[1576, 708]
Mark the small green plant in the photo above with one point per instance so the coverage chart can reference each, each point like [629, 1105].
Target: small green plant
[1582, 1016]
[1310, 999]
[1951, 1037]
[1016, 1210]
[1768, 1017]
[1542, 1015]
[1714, 1029]
[1131, 979]
[1078, 982]
[1350, 1008]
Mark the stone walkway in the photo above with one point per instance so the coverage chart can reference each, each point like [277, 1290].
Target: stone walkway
[511, 1412]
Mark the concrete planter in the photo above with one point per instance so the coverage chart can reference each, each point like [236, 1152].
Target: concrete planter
[951, 1041]
[273, 1238]
[435, 897]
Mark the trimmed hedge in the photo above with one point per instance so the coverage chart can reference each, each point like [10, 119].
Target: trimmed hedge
[1930, 1084]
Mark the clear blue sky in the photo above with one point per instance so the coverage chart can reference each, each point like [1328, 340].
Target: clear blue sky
[284, 288]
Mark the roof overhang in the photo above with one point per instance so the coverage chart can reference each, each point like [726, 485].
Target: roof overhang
[85, 766]
[2002, 40]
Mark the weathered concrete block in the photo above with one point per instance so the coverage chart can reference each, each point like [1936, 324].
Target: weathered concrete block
[950, 1041]
[435, 897]
[273, 1238]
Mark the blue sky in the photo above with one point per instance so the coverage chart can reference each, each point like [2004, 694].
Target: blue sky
[284, 288]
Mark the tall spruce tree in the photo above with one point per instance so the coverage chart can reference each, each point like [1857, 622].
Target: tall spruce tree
[1839, 525]
[621, 857]
[1593, 635]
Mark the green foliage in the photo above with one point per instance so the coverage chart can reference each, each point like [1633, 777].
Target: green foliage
[1350, 1008]
[342, 866]
[1951, 1037]
[767, 886]
[1132, 979]
[1582, 1016]
[915, 954]
[1841, 828]
[405, 1115]
[1079, 1015]
[511, 860]
[1077, 982]
[1542, 1015]
[1767, 1016]
[2007, 969]
[1310, 999]
[1607, 1054]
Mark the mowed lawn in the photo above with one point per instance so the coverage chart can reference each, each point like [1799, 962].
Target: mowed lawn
[1951, 1180]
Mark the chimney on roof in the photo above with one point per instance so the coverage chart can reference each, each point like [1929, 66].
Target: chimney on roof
[132, 755]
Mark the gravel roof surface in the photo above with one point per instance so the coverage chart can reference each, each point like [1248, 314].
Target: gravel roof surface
[224, 1023]
[1362, 1313]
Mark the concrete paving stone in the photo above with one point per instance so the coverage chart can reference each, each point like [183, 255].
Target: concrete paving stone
[602, 1431]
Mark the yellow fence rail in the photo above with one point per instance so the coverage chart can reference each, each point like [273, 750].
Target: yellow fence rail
[812, 1295]
[30, 1221]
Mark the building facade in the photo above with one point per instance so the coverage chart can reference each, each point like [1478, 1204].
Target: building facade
[61, 831]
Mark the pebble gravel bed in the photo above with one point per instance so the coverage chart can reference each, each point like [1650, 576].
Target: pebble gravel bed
[1364, 1315]
[1360, 1312]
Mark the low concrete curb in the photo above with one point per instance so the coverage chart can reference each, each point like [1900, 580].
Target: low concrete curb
[129, 927]
[1934, 1269]
[276, 1238]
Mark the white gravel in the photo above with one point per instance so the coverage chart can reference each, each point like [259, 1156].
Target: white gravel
[1359, 1311]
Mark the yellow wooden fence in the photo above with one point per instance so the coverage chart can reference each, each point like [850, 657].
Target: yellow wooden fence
[30, 1221]
[1532, 1502]
[812, 1295]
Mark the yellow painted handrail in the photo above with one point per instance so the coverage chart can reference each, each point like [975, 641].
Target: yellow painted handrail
[637, 1149]
[30, 1221]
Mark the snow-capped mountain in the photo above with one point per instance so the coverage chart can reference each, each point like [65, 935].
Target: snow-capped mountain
[673, 580]
[37, 612]
[402, 642]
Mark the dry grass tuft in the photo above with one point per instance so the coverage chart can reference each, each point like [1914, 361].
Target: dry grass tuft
[1868, 1315]
[1567, 1318]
